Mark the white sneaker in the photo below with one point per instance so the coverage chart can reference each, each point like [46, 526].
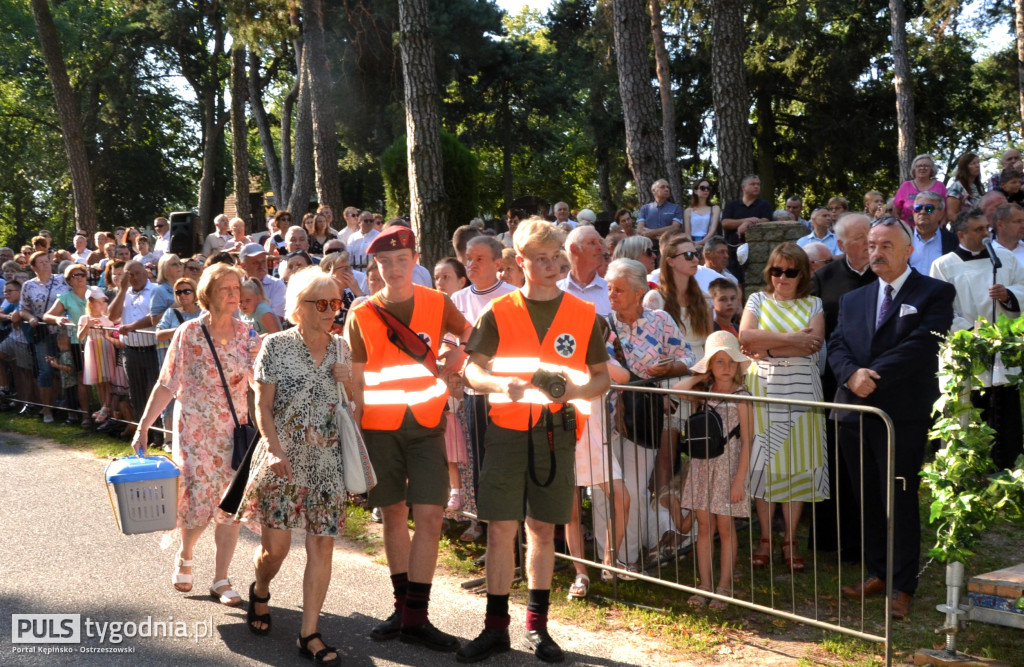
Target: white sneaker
[455, 499]
[48, 419]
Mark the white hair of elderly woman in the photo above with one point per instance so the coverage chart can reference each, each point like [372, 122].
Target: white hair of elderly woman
[633, 271]
[301, 284]
[632, 247]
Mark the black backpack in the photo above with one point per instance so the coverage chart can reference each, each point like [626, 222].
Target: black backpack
[704, 436]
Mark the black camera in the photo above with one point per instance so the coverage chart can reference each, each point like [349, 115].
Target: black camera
[552, 384]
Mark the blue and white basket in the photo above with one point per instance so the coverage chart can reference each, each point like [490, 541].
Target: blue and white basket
[147, 493]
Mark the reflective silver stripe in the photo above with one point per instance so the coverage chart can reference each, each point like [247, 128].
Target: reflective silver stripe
[526, 364]
[392, 373]
[399, 397]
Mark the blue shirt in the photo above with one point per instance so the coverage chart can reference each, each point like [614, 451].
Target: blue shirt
[655, 217]
[830, 241]
[926, 252]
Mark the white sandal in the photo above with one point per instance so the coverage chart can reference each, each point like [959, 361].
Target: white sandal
[179, 579]
[229, 598]
[579, 588]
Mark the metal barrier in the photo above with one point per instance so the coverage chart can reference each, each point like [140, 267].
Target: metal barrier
[669, 567]
[133, 375]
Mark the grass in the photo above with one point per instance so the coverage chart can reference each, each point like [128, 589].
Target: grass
[98, 444]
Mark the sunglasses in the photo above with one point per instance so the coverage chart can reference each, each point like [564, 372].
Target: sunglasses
[323, 304]
[924, 208]
[688, 255]
[179, 292]
[778, 272]
[704, 188]
[892, 222]
[650, 252]
[78, 275]
[821, 261]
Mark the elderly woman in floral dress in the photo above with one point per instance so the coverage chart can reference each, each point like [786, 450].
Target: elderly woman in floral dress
[203, 424]
[296, 480]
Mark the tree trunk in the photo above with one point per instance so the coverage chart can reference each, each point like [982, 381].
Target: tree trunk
[325, 135]
[302, 183]
[428, 201]
[765, 130]
[668, 108]
[1019, 6]
[904, 88]
[259, 116]
[643, 134]
[729, 95]
[67, 111]
[240, 136]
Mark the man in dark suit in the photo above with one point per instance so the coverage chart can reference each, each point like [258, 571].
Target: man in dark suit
[829, 283]
[884, 353]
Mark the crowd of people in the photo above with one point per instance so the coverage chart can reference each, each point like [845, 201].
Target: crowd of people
[480, 386]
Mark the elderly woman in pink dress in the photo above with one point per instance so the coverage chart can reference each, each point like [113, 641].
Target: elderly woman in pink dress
[203, 424]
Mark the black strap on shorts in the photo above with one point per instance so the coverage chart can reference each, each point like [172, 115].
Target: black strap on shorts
[531, 466]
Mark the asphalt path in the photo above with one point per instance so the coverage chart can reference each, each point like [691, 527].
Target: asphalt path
[62, 553]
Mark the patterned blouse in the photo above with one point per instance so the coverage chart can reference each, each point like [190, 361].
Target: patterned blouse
[653, 337]
[37, 297]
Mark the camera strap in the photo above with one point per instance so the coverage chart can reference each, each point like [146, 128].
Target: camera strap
[531, 466]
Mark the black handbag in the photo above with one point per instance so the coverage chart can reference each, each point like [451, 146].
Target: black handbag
[642, 413]
[704, 436]
[245, 435]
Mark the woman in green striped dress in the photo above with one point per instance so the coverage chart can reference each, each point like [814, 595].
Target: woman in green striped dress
[783, 329]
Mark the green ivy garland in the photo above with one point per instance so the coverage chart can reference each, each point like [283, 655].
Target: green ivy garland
[968, 497]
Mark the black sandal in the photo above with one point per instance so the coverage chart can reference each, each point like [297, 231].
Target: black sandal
[318, 657]
[250, 612]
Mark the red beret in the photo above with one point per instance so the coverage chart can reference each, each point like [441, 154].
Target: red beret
[393, 238]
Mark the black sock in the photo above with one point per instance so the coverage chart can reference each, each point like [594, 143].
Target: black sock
[400, 585]
[416, 601]
[497, 612]
[537, 609]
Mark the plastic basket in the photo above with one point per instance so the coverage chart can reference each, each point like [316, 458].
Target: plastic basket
[146, 489]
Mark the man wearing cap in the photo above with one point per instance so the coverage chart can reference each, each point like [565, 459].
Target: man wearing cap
[253, 258]
[402, 394]
[537, 327]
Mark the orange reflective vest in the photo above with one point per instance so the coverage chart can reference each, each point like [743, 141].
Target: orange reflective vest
[520, 354]
[394, 381]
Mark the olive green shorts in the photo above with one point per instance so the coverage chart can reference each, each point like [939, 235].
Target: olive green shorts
[410, 463]
[506, 488]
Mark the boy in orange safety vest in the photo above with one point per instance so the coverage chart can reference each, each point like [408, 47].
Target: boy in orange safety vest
[539, 327]
[401, 396]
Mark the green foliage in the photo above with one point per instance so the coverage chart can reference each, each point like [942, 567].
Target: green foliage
[968, 497]
[461, 176]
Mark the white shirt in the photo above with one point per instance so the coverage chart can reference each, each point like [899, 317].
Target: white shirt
[704, 277]
[896, 285]
[596, 292]
[421, 276]
[162, 244]
[274, 289]
[136, 306]
[79, 258]
[1018, 252]
[347, 233]
[829, 241]
[471, 302]
[357, 245]
[972, 281]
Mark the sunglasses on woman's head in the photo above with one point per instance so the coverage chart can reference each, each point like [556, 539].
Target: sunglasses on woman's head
[688, 255]
[323, 304]
[778, 272]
